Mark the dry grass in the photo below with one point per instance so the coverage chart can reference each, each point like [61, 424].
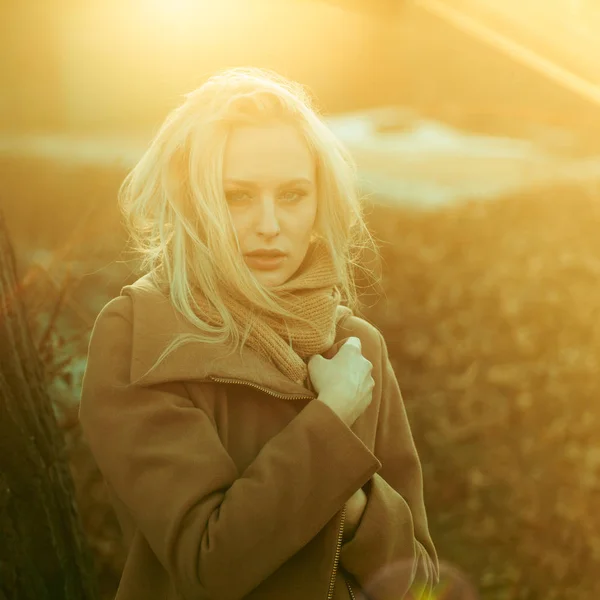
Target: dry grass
[492, 320]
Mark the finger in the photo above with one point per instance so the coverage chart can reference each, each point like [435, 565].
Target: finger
[314, 360]
[331, 352]
[353, 342]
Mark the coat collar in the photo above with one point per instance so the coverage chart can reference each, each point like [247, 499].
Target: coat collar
[156, 323]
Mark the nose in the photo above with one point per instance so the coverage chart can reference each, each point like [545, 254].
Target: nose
[267, 221]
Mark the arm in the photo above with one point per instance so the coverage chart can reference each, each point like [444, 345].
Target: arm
[355, 507]
[217, 532]
[393, 528]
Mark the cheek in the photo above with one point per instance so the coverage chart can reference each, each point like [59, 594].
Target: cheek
[307, 217]
[240, 222]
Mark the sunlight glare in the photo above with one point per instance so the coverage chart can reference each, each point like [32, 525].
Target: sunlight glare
[173, 9]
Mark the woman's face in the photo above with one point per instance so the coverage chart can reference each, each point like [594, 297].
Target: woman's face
[269, 178]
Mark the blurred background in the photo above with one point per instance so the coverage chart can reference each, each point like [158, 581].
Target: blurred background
[475, 125]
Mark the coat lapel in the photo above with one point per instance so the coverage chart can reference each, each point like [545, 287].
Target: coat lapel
[156, 324]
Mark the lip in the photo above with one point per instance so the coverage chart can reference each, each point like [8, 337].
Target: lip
[266, 252]
[263, 262]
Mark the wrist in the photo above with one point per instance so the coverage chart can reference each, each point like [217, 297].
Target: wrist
[332, 400]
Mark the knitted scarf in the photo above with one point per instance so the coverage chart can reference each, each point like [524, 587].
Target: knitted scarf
[311, 293]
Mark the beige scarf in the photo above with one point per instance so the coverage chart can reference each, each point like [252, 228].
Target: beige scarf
[311, 293]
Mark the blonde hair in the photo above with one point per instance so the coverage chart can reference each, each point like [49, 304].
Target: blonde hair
[174, 207]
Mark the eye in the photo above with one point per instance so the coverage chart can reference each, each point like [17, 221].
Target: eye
[293, 196]
[237, 196]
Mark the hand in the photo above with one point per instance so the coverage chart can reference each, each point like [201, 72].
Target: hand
[355, 507]
[344, 382]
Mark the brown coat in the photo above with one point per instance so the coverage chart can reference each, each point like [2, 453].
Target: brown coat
[229, 480]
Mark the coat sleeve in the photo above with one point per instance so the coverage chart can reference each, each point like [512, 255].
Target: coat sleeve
[392, 551]
[217, 532]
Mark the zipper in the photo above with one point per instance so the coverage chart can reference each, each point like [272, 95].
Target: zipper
[262, 389]
[337, 555]
[343, 518]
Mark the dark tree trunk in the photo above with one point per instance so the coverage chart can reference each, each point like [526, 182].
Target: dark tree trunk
[43, 552]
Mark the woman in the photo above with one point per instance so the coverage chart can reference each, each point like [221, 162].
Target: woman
[248, 425]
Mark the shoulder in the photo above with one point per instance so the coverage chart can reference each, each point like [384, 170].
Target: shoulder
[118, 310]
[109, 350]
[120, 306]
[112, 329]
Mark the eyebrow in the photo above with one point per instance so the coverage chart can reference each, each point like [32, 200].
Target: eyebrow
[252, 184]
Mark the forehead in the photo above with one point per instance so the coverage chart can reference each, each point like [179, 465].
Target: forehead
[267, 154]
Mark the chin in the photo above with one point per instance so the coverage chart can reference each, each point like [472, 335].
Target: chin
[270, 278]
